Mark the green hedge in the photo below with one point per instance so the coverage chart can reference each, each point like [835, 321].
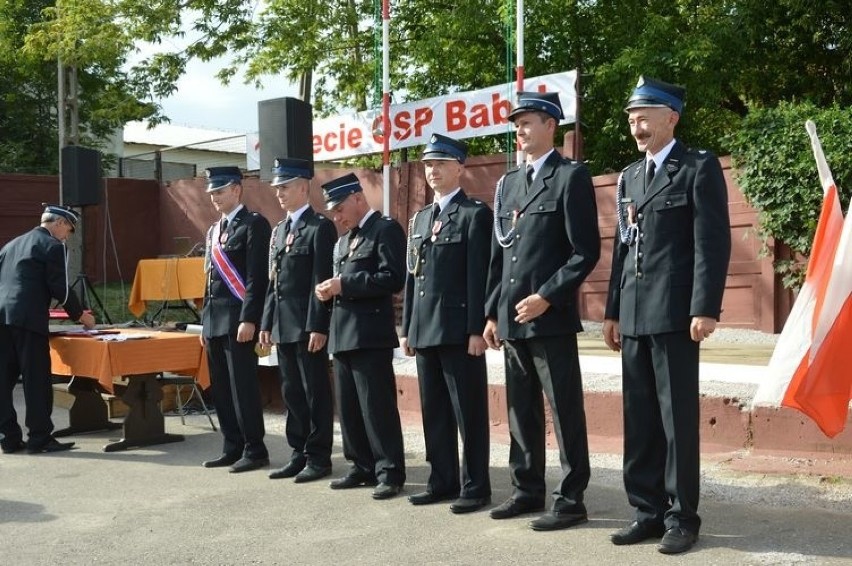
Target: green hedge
[776, 171]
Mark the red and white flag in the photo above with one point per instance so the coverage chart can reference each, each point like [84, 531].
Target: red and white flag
[811, 367]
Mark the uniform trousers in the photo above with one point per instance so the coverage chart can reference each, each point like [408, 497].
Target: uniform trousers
[27, 354]
[369, 418]
[454, 400]
[550, 364]
[661, 417]
[236, 396]
[306, 390]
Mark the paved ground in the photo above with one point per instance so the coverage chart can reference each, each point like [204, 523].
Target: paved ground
[158, 506]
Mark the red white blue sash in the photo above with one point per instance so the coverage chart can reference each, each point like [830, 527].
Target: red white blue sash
[226, 269]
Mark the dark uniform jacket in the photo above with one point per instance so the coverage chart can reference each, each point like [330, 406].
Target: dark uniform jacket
[371, 270]
[247, 247]
[556, 245]
[292, 309]
[32, 272]
[445, 300]
[677, 268]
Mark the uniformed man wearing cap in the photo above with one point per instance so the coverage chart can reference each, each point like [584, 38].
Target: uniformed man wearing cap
[34, 271]
[546, 242]
[236, 263]
[369, 267]
[669, 267]
[296, 321]
[443, 319]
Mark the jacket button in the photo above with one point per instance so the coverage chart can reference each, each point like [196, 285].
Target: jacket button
[512, 280]
[639, 274]
[422, 293]
[514, 258]
[640, 216]
[641, 254]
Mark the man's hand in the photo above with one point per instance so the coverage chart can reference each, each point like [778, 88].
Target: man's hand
[406, 349]
[531, 308]
[490, 334]
[328, 289]
[612, 335]
[702, 327]
[316, 341]
[87, 320]
[476, 345]
[245, 332]
[264, 338]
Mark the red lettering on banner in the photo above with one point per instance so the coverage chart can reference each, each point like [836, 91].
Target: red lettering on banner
[354, 138]
[479, 116]
[422, 117]
[337, 141]
[456, 119]
[402, 125]
[500, 109]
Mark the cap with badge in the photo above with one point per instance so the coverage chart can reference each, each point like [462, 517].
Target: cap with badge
[72, 216]
[653, 93]
[286, 170]
[443, 148]
[547, 102]
[221, 177]
[335, 191]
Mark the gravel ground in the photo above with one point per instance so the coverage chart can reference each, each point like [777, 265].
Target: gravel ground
[726, 335]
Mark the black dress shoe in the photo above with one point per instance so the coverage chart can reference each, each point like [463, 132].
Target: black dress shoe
[312, 473]
[677, 540]
[427, 498]
[469, 504]
[292, 468]
[386, 491]
[353, 479]
[636, 532]
[514, 507]
[221, 461]
[557, 521]
[248, 464]
[51, 445]
[13, 446]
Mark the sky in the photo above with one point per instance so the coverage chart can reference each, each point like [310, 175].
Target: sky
[202, 101]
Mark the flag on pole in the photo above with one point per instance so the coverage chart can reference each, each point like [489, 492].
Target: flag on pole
[809, 369]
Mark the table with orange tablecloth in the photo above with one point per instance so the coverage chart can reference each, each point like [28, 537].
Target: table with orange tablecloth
[138, 361]
[167, 279]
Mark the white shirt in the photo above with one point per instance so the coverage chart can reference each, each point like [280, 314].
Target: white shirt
[660, 157]
[294, 216]
[445, 200]
[538, 163]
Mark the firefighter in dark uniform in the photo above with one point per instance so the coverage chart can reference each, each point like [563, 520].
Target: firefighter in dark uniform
[236, 263]
[369, 267]
[443, 320]
[669, 267]
[546, 242]
[296, 321]
[33, 271]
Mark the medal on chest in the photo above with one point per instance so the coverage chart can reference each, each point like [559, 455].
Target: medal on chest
[289, 242]
[354, 244]
[223, 237]
[631, 214]
[436, 227]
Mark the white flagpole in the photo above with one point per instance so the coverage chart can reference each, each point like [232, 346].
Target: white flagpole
[520, 156]
[386, 122]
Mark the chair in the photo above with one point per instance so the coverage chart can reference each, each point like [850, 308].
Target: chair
[180, 381]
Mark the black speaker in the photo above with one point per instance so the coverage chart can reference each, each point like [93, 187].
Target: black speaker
[285, 128]
[81, 176]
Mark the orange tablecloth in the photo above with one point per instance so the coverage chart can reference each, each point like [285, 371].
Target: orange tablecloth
[163, 351]
[169, 279]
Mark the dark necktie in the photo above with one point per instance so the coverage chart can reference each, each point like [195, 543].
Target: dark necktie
[287, 225]
[530, 173]
[649, 173]
[223, 225]
[436, 211]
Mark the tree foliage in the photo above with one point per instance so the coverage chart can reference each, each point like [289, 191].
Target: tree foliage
[778, 175]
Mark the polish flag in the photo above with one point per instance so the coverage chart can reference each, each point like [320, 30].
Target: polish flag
[811, 367]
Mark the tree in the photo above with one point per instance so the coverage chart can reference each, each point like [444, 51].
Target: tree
[777, 174]
[32, 37]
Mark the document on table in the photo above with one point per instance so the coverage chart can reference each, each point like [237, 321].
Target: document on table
[121, 337]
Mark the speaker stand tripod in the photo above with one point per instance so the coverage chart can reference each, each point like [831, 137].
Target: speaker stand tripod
[87, 290]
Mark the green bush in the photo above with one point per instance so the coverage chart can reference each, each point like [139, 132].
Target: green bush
[777, 173]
